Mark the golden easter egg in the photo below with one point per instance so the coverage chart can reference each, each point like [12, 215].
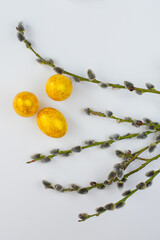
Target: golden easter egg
[52, 122]
[25, 104]
[59, 87]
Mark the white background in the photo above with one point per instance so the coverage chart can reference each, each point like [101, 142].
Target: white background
[119, 40]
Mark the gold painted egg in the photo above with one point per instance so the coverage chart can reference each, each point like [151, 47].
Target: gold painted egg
[59, 87]
[25, 104]
[52, 122]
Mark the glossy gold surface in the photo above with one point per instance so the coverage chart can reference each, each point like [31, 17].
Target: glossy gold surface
[52, 122]
[25, 104]
[59, 87]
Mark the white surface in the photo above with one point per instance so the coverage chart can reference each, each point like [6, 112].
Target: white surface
[119, 40]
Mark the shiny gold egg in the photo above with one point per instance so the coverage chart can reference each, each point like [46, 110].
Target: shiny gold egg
[59, 87]
[25, 104]
[52, 122]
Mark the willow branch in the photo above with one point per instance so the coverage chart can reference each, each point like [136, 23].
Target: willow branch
[78, 77]
[121, 202]
[151, 125]
[103, 185]
[102, 144]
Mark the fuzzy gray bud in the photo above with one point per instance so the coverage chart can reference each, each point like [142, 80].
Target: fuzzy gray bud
[39, 60]
[141, 186]
[100, 209]
[91, 74]
[45, 159]
[55, 151]
[119, 173]
[109, 113]
[58, 70]
[142, 135]
[120, 184]
[20, 27]
[87, 111]
[129, 85]
[36, 156]
[82, 191]
[126, 193]
[77, 149]
[74, 186]
[110, 206]
[150, 173]
[58, 187]
[152, 147]
[117, 166]
[138, 92]
[47, 184]
[20, 36]
[50, 61]
[158, 137]
[76, 79]
[90, 142]
[28, 43]
[114, 137]
[119, 153]
[105, 145]
[103, 85]
[102, 186]
[93, 184]
[127, 118]
[150, 86]
[83, 216]
[151, 127]
[155, 123]
[146, 120]
[120, 204]
[111, 175]
[149, 184]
